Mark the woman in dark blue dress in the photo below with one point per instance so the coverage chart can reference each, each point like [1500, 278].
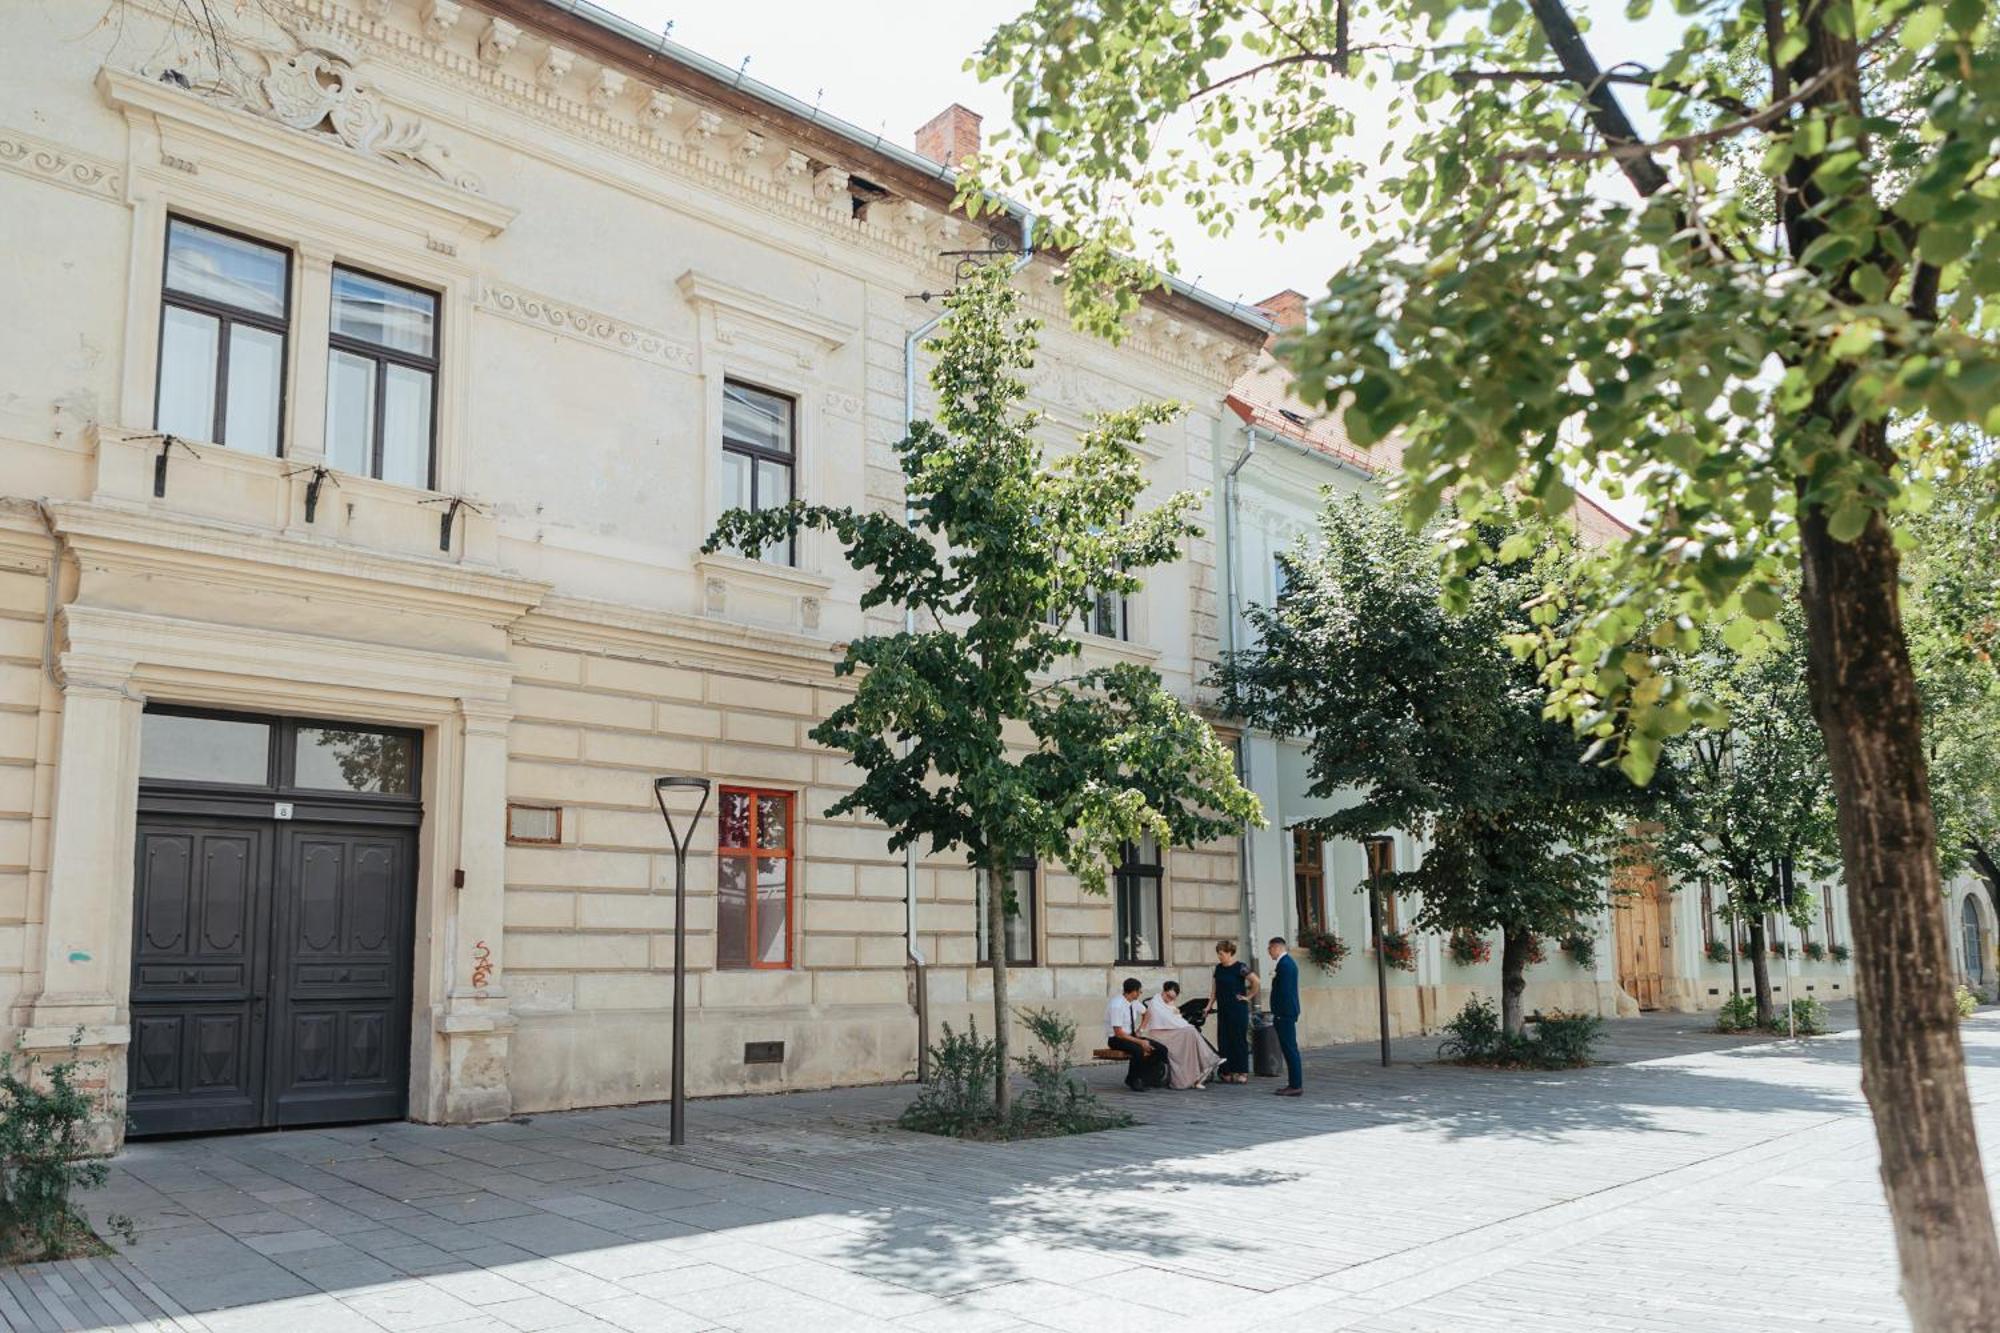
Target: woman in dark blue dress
[1235, 988]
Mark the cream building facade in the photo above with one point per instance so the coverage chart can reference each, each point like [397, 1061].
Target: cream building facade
[381, 372]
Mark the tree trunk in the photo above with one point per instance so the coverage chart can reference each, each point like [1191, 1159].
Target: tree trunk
[1864, 694]
[996, 954]
[1514, 945]
[1760, 971]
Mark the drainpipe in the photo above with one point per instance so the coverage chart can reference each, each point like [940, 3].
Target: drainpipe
[918, 963]
[1246, 880]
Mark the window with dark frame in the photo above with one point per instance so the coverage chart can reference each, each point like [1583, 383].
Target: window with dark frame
[1707, 913]
[759, 454]
[753, 916]
[1826, 910]
[381, 389]
[1309, 877]
[1382, 861]
[180, 747]
[1020, 922]
[1141, 936]
[224, 319]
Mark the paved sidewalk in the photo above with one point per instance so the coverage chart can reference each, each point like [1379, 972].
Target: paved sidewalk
[1707, 1183]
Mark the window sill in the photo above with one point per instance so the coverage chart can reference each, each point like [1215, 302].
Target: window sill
[736, 588]
[1099, 646]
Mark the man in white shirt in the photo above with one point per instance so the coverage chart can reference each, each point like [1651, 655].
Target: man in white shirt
[1148, 1065]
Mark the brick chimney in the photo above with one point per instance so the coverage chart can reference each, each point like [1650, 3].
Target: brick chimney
[1288, 308]
[951, 136]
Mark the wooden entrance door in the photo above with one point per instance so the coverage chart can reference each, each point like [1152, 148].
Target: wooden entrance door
[1642, 925]
[273, 911]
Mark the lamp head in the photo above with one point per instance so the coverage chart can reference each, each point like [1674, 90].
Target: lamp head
[680, 782]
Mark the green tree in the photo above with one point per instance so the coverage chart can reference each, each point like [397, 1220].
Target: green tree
[1954, 629]
[1427, 716]
[1778, 398]
[979, 730]
[1748, 803]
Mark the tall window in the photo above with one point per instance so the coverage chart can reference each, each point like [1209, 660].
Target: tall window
[1020, 920]
[1382, 862]
[223, 318]
[1826, 910]
[1309, 877]
[758, 453]
[381, 390]
[1140, 939]
[1707, 913]
[753, 879]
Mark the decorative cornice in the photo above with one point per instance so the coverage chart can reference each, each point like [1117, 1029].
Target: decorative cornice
[153, 648]
[672, 638]
[58, 165]
[110, 536]
[556, 316]
[786, 317]
[138, 96]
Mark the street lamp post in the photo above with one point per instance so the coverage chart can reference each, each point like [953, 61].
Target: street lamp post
[677, 1133]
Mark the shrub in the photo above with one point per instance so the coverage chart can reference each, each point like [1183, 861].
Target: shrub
[1737, 1014]
[1397, 951]
[958, 1099]
[1565, 1041]
[1324, 949]
[1967, 1001]
[45, 1156]
[1808, 1017]
[959, 1096]
[1815, 951]
[1475, 1034]
[1841, 953]
[1780, 949]
[1559, 1041]
[1717, 951]
[1468, 949]
[1582, 950]
[1537, 954]
[1057, 1101]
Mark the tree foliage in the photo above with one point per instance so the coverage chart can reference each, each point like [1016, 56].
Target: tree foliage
[1777, 399]
[1424, 713]
[1748, 803]
[978, 730]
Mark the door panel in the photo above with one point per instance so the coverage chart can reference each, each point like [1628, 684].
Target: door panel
[346, 899]
[198, 975]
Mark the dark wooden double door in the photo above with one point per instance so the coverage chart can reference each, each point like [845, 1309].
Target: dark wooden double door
[271, 962]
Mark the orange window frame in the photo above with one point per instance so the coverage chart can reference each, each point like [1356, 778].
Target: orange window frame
[754, 854]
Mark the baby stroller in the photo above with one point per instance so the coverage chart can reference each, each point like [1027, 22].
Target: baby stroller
[1195, 1011]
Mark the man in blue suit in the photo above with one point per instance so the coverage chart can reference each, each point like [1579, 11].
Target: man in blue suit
[1285, 1016]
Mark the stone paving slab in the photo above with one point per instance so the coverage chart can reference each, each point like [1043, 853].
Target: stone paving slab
[1698, 1182]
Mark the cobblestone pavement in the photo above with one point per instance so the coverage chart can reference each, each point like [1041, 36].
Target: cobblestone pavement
[1703, 1183]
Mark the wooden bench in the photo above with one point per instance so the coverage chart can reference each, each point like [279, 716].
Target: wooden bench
[1110, 1053]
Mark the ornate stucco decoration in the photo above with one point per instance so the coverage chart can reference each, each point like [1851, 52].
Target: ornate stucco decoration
[313, 87]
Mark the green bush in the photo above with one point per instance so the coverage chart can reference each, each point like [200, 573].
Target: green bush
[1475, 1034]
[959, 1096]
[1737, 1014]
[958, 1099]
[1717, 951]
[1841, 953]
[1565, 1041]
[1582, 950]
[1967, 1001]
[1815, 951]
[1559, 1041]
[1808, 1017]
[45, 1157]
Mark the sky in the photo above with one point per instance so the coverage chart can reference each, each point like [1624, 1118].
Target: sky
[890, 65]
